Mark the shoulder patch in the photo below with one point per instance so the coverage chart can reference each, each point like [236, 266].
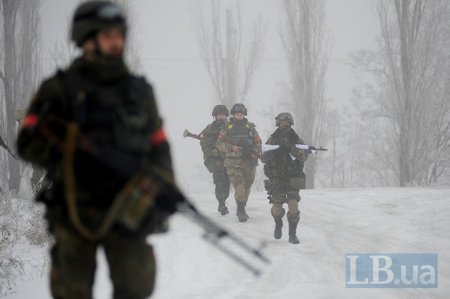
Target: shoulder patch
[230, 126]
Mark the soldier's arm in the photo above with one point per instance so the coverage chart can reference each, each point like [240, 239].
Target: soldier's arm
[33, 144]
[256, 142]
[222, 144]
[160, 150]
[268, 156]
[299, 154]
[206, 142]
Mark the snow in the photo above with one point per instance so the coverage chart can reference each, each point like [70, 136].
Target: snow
[333, 223]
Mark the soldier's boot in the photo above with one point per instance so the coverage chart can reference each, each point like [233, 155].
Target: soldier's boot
[277, 212]
[241, 213]
[293, 222]
[222, 208]
[277, 233]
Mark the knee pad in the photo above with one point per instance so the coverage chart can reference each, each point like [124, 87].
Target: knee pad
[293, 217]
[293, 195]
[277, 210]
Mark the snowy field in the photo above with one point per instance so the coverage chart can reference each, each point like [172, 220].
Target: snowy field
[333, 223]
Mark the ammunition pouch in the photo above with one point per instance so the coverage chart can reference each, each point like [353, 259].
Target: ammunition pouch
[297, 183]
[140, 196]
[268, 187]
[295, 168]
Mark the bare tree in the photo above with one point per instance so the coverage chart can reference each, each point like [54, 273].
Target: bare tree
[221, 49]
[411, 69]
[306, 56]
[20, 68]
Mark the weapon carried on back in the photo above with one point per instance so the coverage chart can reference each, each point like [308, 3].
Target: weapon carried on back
[186, 133]
[6, 147]
[150, 189]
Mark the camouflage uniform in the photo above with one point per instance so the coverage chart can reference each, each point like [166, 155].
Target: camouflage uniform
[117, 112]
[284, 168]
[213, 160]
[240, 166]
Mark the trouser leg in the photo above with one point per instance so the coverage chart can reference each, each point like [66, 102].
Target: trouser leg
[73, 265]
[293, 217]
[132, 266]
[222, 189]
[277, 212]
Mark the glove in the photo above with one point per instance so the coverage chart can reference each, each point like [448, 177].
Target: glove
[168, 200]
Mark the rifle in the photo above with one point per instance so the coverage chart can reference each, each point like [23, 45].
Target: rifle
[186, 133]
[159, 192]
[309, 148]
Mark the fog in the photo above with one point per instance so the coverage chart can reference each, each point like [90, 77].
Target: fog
[367, 79]
[170, 60]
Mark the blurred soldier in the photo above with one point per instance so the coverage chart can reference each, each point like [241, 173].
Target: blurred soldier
[213, 159]
[284, 168]
[241, 145]
[94, 127]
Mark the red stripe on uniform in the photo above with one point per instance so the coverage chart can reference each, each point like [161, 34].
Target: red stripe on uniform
[31, 120]
[158, 137]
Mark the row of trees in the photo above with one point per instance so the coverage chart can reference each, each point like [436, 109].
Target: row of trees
[400, 137]
[19, 72]
[408, 76]
[407, 115]
[220, 36]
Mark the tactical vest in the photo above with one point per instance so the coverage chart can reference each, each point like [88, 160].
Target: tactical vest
[284, 165]
[241, 132]
[115, 114]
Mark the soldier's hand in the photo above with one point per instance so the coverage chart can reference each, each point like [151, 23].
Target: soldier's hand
[236, 149]
[168, 200]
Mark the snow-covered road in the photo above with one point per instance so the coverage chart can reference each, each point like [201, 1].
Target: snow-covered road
[333, 223]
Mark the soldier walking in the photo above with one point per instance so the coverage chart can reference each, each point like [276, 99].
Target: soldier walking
[284, 168]
[241, 146]
[92, 127]
[213, 159]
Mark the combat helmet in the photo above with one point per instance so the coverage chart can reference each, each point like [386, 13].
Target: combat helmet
[238, 108]
[93, 16]
[284, 116]
[220, 109]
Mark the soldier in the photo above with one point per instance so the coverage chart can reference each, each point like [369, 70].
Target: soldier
[93, 127]
[241, 145]
[213, 159]
[284, 168]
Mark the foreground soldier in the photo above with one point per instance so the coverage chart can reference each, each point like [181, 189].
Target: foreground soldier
[115, 115]
[241, 146]
[284, 168]
[213, 159]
